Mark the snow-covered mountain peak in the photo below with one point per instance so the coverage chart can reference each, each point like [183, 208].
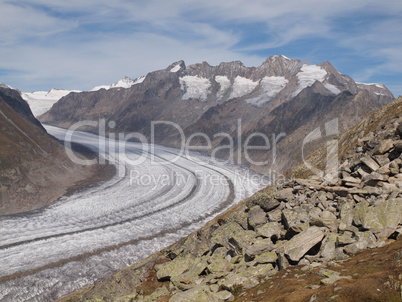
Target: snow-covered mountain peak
[125, 82]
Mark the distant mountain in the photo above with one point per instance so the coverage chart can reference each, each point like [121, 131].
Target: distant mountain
[283, 98]
[124, 82]
[34, 168]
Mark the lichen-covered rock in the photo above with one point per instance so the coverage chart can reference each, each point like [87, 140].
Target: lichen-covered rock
[360, 212]
[346, 216]
[285, 195]
[300, 244]
[328, 249]
[331, 276]
[224, 295]
[199, 293]
[256, 217]
[295, 216]
[267, 257]
[232, 235]
[266, 200]
[174, 268]
[383, 219]
[272, 230]
[259, 247]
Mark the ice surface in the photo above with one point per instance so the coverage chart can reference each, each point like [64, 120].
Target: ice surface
[195, 87]
[272, 86]
[241, 87]
[332, 88]
[134, 214]
[308, 75]
[176, 68]
[224, 82]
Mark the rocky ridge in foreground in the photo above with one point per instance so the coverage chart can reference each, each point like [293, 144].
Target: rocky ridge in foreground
[312, 222]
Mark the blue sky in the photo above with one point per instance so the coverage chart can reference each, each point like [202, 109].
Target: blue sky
[79, 44]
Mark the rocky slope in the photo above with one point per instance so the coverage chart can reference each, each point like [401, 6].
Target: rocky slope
[314, 223]
[34, 168]
[284, 99]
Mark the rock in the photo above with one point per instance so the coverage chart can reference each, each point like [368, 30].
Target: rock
[232, 281]
[398, 130]
[329, 223]
[261, 271]
[224, 295]
[267, 257]
[360, 211]
[283, 262]
[271, 230]
[345, 239]
[266, 201]
[384, 146]
[300, 244]
[295, 216]
[383, 219]
[328, 249]
[285, 195]
[232, 235]
[199, 293]
[373, 178]
[370, 163]
[256, 217]
[174, 268]
[275, 215]
[331, 276]
[398, 145]
[259, 247]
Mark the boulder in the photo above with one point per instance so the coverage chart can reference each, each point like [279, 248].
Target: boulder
[295, 216]
[259, 247]
[300, 244]
[271, 230]
[256, 217]
[267, 257]
[384, 146]
[232, 235]
[370, 163]
[360, 211]
[199, 293]
[328, 249]
[398, 130]
[265, 200]
[285, 195]
[384, 218]
[174, 268]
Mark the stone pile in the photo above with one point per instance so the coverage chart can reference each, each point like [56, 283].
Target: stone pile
[304, 221]
[309, 222]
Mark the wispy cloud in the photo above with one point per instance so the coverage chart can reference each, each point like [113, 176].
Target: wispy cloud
[80, 44]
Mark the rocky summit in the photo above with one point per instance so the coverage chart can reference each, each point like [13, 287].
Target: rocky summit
[311, 222]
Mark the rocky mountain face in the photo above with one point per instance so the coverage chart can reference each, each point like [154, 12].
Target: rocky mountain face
[283, 99]
[308, 221]
[34, 168]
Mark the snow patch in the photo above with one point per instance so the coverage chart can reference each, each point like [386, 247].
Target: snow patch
[332, 88]
[242, 87]
[272, 86]
[195, 87]
[308, 75]
[176, 68]
[224, 82]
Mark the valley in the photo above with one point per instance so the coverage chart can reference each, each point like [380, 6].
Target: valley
[80, 238]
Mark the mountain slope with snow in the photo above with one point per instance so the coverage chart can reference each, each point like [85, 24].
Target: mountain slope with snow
[282, 95]
[42, 101]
